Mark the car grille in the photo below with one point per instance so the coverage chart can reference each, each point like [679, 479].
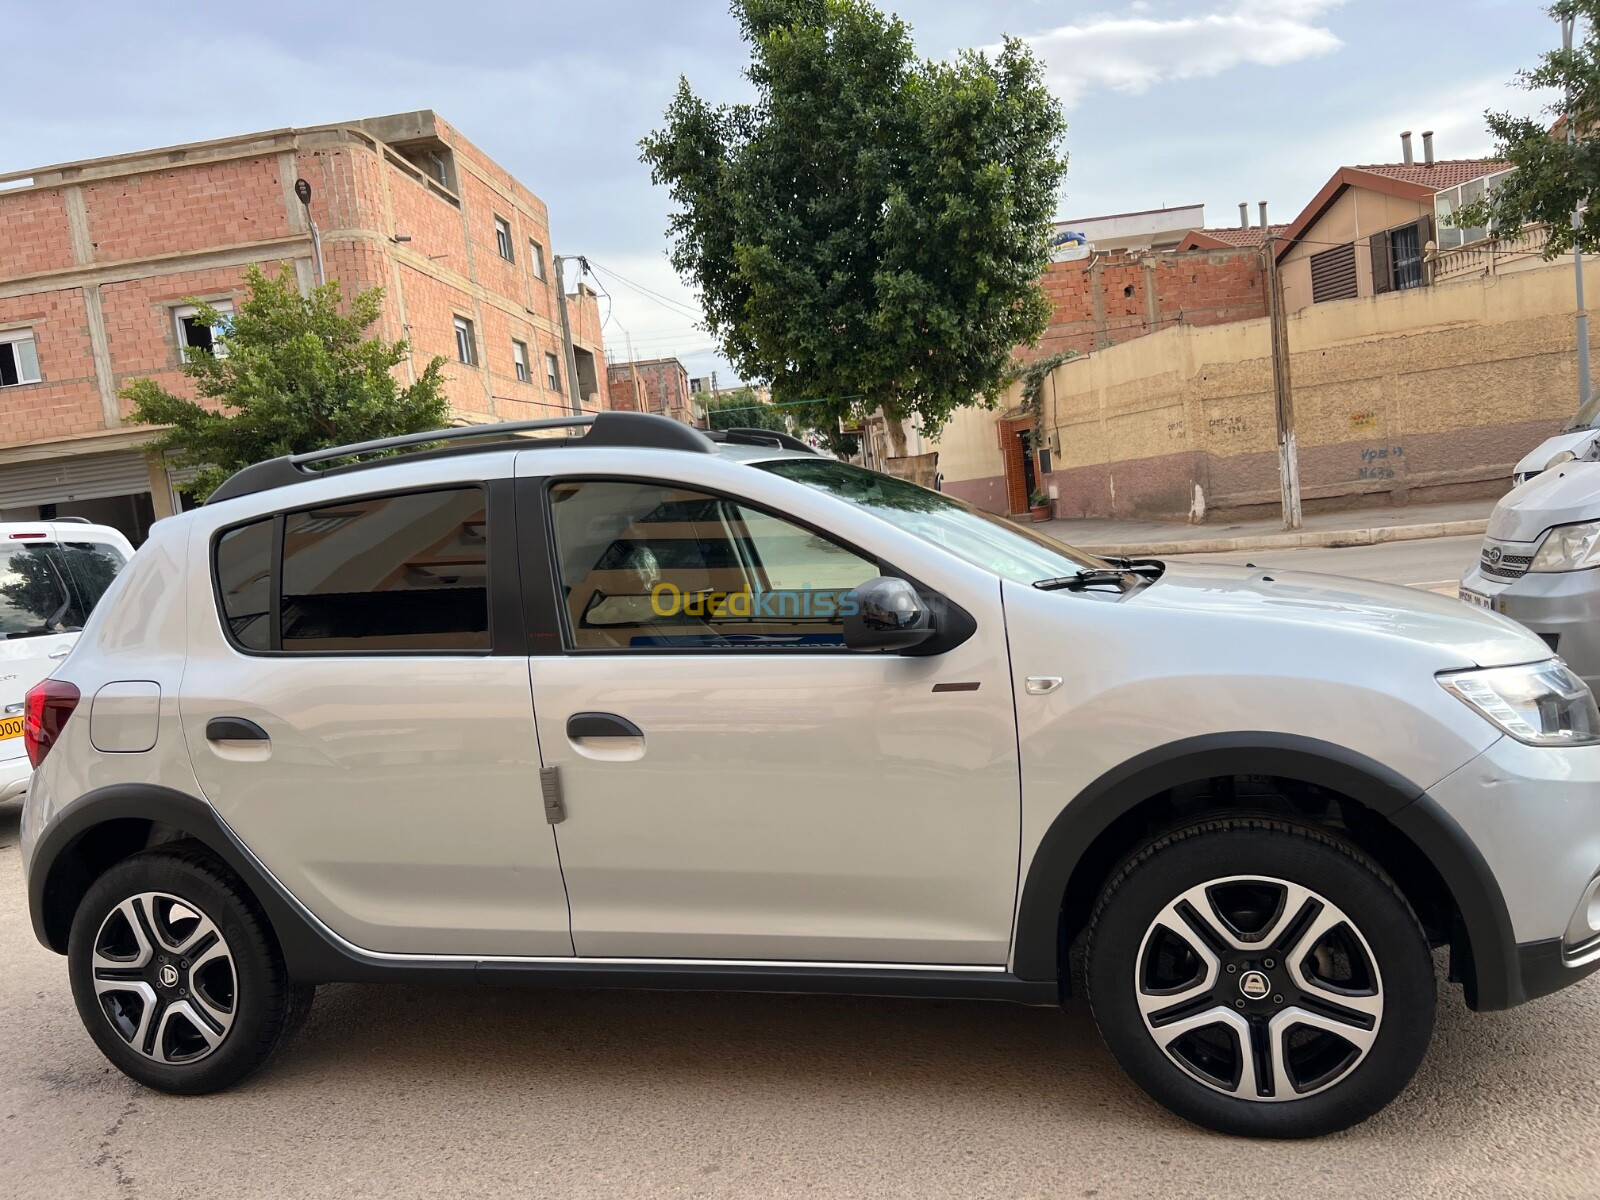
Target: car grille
[1496, 562]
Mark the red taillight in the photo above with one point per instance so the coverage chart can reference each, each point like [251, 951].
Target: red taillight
[46, 710]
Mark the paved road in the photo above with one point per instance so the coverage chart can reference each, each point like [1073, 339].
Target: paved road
[1435, 560]
[395, 1092]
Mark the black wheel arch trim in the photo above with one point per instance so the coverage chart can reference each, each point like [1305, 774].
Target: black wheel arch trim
[1492, 977]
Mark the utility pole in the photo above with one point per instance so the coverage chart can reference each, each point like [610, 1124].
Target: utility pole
[561, 261]
[633, 374]
[1282, 388]
[1584, 384]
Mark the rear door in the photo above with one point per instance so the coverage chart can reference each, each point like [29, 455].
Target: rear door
[359, 713]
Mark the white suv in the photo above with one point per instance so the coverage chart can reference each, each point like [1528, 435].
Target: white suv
[52, 573]
[645, 708]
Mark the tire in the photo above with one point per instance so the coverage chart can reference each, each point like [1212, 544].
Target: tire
[176, 974]
[1187, 945]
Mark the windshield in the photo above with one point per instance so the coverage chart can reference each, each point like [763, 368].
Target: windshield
[1588, 416]
[981, 538]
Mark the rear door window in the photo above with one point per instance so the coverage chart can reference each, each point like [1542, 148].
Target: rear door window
[382, 574]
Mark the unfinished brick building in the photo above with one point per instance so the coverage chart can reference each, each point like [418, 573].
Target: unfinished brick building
[100, 258]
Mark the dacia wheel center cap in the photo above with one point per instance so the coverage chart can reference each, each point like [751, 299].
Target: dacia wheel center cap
[1253, 985]
[169, 976]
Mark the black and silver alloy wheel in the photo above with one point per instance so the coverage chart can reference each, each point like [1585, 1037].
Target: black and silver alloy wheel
[176, 973]
[1259, 987]
[165, 977]
[1261, 978]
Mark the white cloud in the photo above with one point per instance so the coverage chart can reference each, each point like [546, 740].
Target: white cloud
[1136, 52]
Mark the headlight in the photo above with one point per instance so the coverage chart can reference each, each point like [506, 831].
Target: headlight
[1569, 548]
[1543, 704]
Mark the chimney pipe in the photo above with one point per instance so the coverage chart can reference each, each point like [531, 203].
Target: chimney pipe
[1427, 146]
[1405, 147]
[1263, 214]
[1244, 214]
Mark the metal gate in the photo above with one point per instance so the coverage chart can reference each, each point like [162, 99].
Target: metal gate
[80, 477]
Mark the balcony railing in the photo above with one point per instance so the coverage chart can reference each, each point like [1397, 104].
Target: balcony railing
[1489, 256]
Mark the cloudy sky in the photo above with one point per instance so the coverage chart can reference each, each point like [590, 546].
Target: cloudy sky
[1168, 101]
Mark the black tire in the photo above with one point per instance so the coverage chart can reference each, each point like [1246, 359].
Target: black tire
[1386, 967]
[250, 1008]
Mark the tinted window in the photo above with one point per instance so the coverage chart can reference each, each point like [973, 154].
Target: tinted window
[91, 566]
[400, 573]
[244, 578]
[650, 566]
[34, 595]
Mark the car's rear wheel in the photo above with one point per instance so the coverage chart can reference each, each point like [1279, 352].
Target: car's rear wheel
[176, 975]
[1261, 978]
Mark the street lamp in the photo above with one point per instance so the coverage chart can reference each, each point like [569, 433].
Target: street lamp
[302, 189]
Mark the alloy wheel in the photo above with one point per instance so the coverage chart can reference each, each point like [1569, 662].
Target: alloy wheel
[1259, 988]
[165, 978]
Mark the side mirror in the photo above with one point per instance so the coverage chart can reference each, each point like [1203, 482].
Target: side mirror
[886, 614]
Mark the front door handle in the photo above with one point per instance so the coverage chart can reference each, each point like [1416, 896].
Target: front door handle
[234, 729]
[601, 725]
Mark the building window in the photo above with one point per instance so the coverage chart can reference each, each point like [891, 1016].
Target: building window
[552, 372]
[1397, 256]
[1448, 201]
[1333, 274]
[19, 357]
[502, 238]
[466, 347]
[195, 334]
[536, 254]
[519, 355]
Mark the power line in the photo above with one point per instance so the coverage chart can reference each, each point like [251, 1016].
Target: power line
[666, 301]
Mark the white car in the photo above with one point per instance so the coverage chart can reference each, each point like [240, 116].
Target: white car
[52, 573]
[650, 707]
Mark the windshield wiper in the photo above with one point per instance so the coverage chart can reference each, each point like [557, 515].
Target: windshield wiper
[1153, 567]
[1087, 578]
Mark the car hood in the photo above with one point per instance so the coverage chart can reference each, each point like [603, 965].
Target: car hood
[1575, 440]
[1569, 493]
[1333, 603]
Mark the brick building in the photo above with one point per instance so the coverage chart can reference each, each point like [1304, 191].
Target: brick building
[99, 258]
[658, 385]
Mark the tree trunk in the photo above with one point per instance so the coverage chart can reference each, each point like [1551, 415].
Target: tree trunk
[896, 428]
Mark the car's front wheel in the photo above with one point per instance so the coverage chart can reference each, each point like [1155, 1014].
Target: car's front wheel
[1261, 978]
[176, 974]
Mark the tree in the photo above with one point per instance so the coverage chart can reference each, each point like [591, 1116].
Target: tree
[1552, 179]
[742, 409]
[871, 230]
[290, 374]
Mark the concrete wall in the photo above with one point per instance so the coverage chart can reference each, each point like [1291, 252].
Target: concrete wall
[1426, 394]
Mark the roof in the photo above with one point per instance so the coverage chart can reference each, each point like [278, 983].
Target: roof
[1445, 173]
[1408, 181]
[1231, 235]
[1142, 212]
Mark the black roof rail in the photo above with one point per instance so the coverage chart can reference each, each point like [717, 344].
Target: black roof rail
[638, 430]
[741, 436]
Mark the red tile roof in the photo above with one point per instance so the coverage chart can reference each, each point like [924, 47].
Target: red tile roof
[1237, 235]
[1445, 173]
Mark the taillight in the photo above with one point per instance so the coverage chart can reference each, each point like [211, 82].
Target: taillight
[46, 710]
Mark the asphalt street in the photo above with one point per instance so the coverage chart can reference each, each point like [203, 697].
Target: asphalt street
[399, 1091]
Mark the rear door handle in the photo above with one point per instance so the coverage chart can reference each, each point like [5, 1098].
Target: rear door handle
[61, 653]
[234, 729]
[601, 725]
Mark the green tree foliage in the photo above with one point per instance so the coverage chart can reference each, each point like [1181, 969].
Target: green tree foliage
[742, 409]
[1552, 179]
[292, 373]
[871, 230]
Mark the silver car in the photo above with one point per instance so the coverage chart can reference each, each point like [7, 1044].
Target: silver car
[649, 707]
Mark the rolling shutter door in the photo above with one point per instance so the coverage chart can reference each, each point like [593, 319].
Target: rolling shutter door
[82, 477]
[1333, 274]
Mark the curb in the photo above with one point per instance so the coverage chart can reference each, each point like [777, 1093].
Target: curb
[1305, 540]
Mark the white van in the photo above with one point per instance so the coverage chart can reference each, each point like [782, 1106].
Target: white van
[51, 574]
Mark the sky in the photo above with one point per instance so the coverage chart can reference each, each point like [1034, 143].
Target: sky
[1167, 101]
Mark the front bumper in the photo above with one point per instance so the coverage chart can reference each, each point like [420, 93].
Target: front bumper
[1533, 815]
[14, 776]
[1562, 607]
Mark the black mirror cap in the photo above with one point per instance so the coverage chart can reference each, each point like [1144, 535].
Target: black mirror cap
[887, 614]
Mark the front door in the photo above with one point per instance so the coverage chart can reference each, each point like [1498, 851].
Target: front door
[354, 720]
[738, 785]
